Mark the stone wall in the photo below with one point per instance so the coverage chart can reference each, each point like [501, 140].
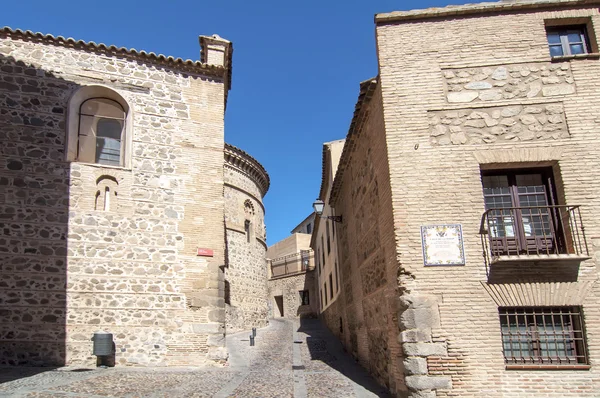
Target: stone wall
[246, 182]
[499, 63]
[507, 82]
[545, 121]
[288, 288]
[69, 267]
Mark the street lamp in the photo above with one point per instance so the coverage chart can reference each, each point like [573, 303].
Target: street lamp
[319, 205]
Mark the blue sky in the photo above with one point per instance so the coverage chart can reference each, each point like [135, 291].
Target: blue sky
[296, 70]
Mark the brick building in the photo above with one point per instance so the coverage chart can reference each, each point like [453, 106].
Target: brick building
[468, 187]
[323, 240]
[112, 203]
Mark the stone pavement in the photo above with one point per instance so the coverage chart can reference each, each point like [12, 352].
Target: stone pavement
[289, 360]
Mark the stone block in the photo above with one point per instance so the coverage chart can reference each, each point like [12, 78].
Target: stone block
[422, 318]
[425, 349]
[462, 96]
[216, 340]
[415, 336]
[415, 366]
[207, 328]
[217, 353]
[428, 382]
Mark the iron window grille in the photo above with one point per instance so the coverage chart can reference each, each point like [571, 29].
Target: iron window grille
[567, 40]
[543, 336]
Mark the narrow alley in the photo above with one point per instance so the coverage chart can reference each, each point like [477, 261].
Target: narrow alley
[289, 359]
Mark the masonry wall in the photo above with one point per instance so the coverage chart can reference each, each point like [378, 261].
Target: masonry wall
[289, 289]
[482, 93]
[69, 269]
[246, 271]
[367, 252]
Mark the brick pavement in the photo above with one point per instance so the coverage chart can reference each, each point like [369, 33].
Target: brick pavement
[290, 359]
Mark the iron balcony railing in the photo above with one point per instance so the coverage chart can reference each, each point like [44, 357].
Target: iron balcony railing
[534, 231]
[291, 264]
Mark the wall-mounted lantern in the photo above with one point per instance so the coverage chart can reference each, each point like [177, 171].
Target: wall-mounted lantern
[319, 205]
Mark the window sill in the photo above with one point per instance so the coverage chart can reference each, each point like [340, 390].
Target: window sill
[548, 367]
[578, 56]
[102, 166]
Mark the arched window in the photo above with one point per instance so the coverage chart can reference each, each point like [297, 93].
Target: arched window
[99, 127]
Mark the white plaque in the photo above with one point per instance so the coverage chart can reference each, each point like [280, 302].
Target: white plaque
[443, 244]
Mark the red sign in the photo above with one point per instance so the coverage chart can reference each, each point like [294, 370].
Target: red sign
[205, 252]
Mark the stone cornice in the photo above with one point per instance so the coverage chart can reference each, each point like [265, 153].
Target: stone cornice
[478, 8]
[178, 64]
[240, 160]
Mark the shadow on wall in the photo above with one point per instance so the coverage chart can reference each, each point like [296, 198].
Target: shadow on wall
[308, 306]
[34, 211]
[325, 348]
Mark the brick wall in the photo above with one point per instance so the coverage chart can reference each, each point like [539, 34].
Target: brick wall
[441, 131]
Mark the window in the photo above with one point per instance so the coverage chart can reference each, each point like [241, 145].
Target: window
[330, 286]
[308, 228]
[521, 216]
[543, 336]
[99, 127]
[328, 240]
[567, 40]
[247, 230]
[323, 252]
[317, 260]
[304, 300]
[337, 278]
[325, 288]
[321, 296]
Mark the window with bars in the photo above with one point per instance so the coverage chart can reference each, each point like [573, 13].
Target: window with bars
[543, 336]
[567, 40]
[522, 217]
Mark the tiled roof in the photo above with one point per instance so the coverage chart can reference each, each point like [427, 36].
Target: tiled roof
[101, 48]
[478, 8]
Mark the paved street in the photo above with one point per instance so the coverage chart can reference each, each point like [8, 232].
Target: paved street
[288, 360]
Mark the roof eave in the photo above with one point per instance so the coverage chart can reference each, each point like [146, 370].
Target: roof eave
[478, 8]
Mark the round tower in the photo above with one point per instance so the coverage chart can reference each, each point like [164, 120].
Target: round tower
[245, 184]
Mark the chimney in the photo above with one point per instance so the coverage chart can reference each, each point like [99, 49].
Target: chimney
[215, 51]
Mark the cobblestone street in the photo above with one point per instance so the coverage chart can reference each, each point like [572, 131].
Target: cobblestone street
[289, 360]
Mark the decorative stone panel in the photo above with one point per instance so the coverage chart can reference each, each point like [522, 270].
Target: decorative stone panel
[497, 124]
[505, 82]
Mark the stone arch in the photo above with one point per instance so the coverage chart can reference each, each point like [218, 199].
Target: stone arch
[78, 98]
[106, 193]
[249, 208]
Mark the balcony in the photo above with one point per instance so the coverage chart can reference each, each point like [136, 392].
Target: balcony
[536, 233]
[291, 264]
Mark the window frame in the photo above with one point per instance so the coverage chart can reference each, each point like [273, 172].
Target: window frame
[563, 32]
[530, 330]
[72, 144]
[556, 230]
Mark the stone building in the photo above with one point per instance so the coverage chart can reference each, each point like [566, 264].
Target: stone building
[291, 277]
[246, 182]
[468, 187]
[112, 204]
